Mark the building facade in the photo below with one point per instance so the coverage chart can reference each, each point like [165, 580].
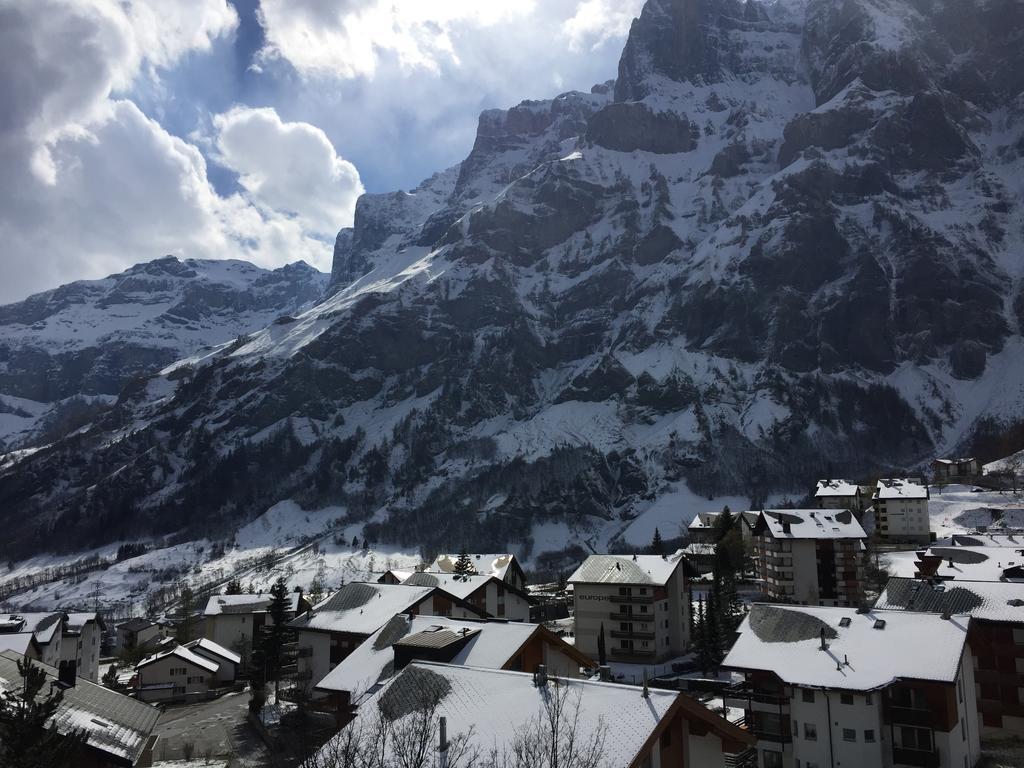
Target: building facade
[901, 510]
[174, 674]
[839, 494]
[639, 602]
[810, 556]
[82, 637]
[953, 470]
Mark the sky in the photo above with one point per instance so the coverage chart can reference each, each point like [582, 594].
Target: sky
[132, 129]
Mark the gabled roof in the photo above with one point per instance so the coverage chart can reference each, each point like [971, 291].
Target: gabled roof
[492, 707]
[77, 621]
[17, 642]
[703, 520]
[253, 603]
[490, 644]
[879, 646]
[628, 569]
[986, 600]
[809, 524]
[183, 653]
[113, 723]
[493, 564]
[203, 646]
[461, 587]
[135, 625]
[361, 608]
[900, 488]
[842, 488]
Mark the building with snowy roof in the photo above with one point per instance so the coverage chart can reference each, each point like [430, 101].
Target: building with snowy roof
[839, 494]
[490, 644]
[970, 564]
[82, 636]
[810, 556]
[996, 638]
[504, 566]
[174, 674]
[138, 633]
[901, 510]
[22, 643]
[118, 730]
[956, 470]
[638, 602]
[839, 686]
[459, 709]
[489, 593]
[334, 628]
[47, 629]
[232, 621]
[227, 661]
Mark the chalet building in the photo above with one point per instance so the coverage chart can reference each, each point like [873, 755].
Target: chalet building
[638, 601]
[81, 638]
[138, 633]
[490, 709]
[394, 576]
[956, 470]
[227, 661]
[174, 674]
[232, 621]
[810, 556]
[842, 687]
[901, 511]
[490, 644]
[503, 566]
[970, 564]
[996, 638]
[701, 529]
[334, 628]
[118, 730]
[45, 628]
[839, 494]
[495, 597]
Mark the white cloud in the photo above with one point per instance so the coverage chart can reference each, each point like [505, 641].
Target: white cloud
[290, 168]
[596, 22]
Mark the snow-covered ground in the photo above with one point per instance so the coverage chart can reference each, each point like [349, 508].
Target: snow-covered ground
[959, 509]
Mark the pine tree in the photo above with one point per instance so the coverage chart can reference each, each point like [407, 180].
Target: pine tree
[277, 635]
[184, 630]
[689, 613]
[234, 587]
[731, 608]
[657, 545]
[704, 656]
[464, 566]
[25, 739]
[712, 633]
[602, 654]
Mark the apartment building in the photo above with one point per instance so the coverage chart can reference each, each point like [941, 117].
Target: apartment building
[494, 596]
[956, 470]
[839, 494]
[996, 638]
[638, 601]
[232, 621]
[810, 556]
[841, 687]
[901, 510]
[80, 643]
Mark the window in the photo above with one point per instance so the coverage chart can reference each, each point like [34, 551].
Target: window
[846, 698]
[810, 732]
[808, 695]
[849, 734]
[772, 759]
[868, 700]
[869, 736]
[915, 738]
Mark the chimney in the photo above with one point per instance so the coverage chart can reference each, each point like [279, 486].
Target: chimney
[946, 616]
[540, 677]
[646, 692]
[786, 528]
[846, 660]
[67, 672]
[442, 744]
[824, 645]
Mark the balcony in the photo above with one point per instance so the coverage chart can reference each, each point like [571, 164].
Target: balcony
[637, 617]
[910, 716]
[742, 696]
[925, 758]
[636, 599]
[632, 634]
[626, 652]
[745, 759]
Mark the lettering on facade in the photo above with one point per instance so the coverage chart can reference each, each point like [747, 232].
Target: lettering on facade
[594, 597]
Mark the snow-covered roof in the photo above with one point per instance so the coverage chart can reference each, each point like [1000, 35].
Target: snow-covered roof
[459, 586]
[955, 461]
[492, 707]
[810, 524]
[987, 600]
[703, 520]
[829, 488]
[627, 569]
[43, 625]
[203, 646]
[254, 603]
[400, 576]
[491, 644]
[1005, 540]
[493, 564]
[76, 621]
[135, 625]
[864, 651]
[112, 722]
[977, 563]
[18, 642]
[183, 653]
[900, 488]
[361, 608]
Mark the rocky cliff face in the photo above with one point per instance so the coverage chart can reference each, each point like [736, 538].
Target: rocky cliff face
[786, 241]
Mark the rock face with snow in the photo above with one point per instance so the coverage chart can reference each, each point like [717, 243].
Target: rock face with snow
[66, 352]
[785, 243]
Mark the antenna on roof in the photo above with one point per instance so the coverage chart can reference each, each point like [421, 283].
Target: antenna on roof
[824, 645]
[646, 692]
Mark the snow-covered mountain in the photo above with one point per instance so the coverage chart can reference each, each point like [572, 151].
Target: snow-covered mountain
[785, 241]
[66, 354]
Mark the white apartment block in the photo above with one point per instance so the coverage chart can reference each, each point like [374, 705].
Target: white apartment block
[640, 602]
[810, 556]
[837, 687]
[80, 643]
[901, 510]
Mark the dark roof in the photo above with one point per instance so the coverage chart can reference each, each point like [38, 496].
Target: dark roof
[440, 638]
[113, 723]
[781, 625]
[135, 625]
[913, 595]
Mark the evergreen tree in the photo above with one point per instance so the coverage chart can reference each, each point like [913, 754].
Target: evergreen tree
[731, 608]
[712, 633]
[234, 587]
[183, 634]
[277, 635]
[464, 566]
[602, 654]
[25, 739]
[705, 658]
[657, 545]
[723, 524]
[690, 612]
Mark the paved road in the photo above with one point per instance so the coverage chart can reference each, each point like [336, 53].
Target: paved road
[216, 728]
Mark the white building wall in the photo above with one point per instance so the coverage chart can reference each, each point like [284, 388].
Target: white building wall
[904, 518]
[594, 604]
[194, 680]
[84, 649]
[318, 661]
[559, 664]
[962, 746]
[805, 571]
